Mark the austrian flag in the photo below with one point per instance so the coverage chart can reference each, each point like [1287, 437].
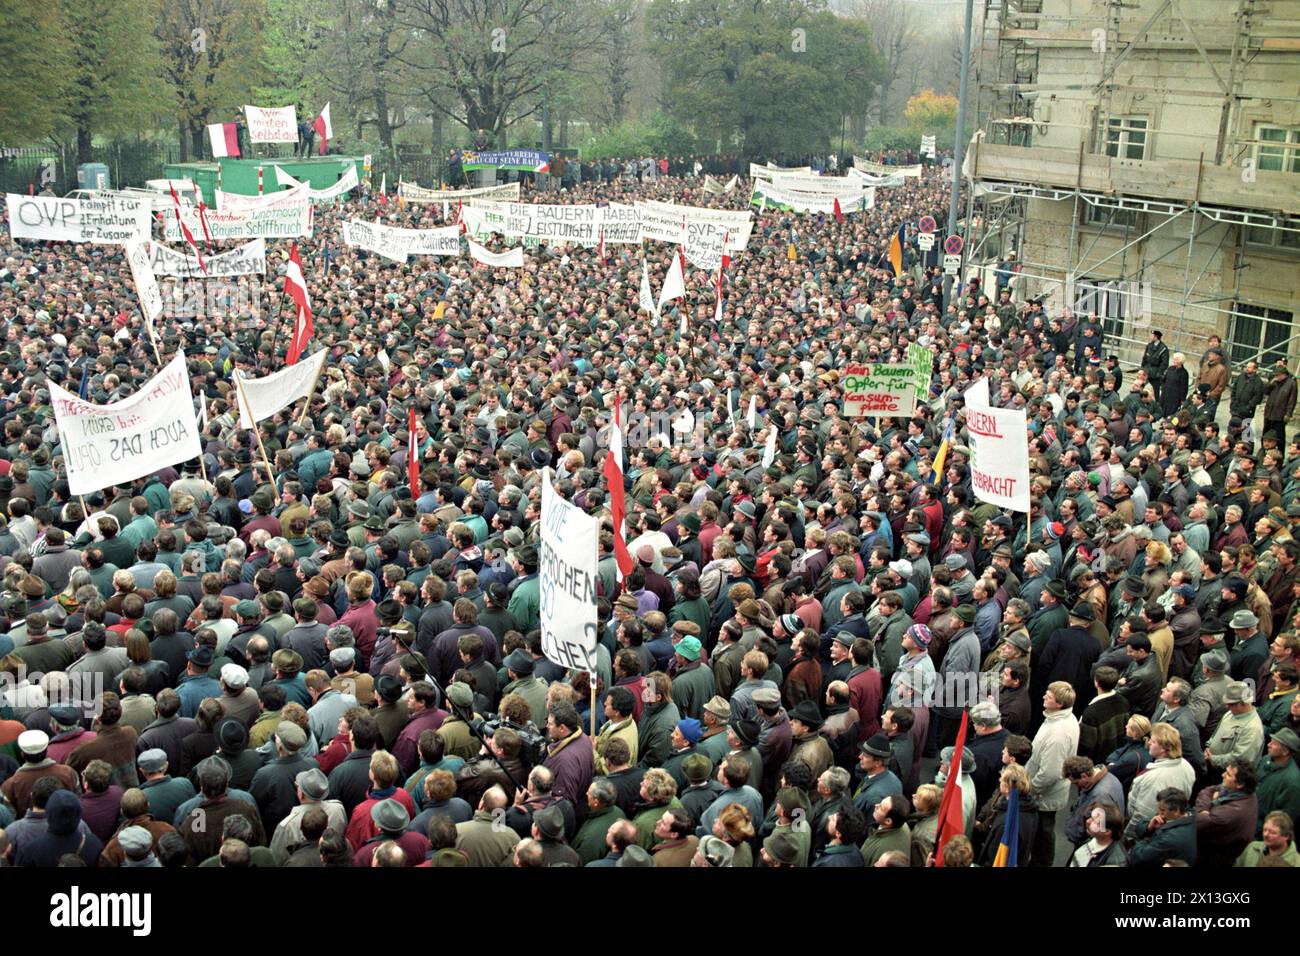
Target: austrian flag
[295, 287]
[324, 129]
[613, 471]
[224, 139]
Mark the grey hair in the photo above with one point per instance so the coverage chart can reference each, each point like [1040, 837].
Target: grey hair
[604, 791]
[236, 550]
[340, 635]
[837, 780]
[1023, 611]
[986, 714]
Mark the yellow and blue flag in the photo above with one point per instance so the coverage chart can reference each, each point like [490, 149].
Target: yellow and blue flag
[936, 470]
[1009, 848]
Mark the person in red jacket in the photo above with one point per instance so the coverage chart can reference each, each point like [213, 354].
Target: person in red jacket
[383, 786]
[1226, 816]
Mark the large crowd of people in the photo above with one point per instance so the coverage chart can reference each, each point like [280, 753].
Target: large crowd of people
[301, 660]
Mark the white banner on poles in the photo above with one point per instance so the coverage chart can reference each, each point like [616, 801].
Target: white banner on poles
[397, 244]
[281, 222]
[853, 200]
[105, 218]
[260, 398]
[146, 286]
[247, 260]
[346, 183]
[278, 124]
[512, 259]
[768, 171]
[567, 572]
[999, 451]
[880, 169]
[107, 445]
[413, 193]
[284, 198]
[671, 225]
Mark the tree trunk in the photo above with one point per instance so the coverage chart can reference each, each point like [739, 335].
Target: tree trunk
[185, 143]
[196, 140]
[83, 145]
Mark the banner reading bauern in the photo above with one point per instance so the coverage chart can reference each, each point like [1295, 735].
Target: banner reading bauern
[999, 451]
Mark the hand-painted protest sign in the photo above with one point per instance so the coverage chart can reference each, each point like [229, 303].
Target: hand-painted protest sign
[247, 260]
[260, 398]
[104, 218]
[622, 224]
[279, 222]
[878, 389]
[146, 287]
[529, 160]
[567, 572]
[272, 125]
[238, 202]
[346, 183]
[999, 452]
[413, 193]
[922, 362]
[694, 227]
[880, 169]
[397, 244]
[106, 445]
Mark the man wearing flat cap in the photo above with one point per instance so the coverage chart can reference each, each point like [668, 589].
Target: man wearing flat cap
[1069, 656]
[274, 786]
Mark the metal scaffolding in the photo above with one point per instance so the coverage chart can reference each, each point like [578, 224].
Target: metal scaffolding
[1015, 33]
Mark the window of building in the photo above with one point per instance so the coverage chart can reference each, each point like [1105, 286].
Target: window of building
[1108, 217]
[1126, 137]
[1279, 148]
[1286, 240]
[1259, 331]
[1105, 298]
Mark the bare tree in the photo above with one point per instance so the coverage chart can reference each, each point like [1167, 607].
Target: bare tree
[895, 30]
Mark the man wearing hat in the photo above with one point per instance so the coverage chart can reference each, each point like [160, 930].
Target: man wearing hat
[742, 738]
[715, 716]
[390, 819]
[311, 789]
[685, 736]
[36, 764]
[1206, 701]
[1279, 776]
[957, 676]
[1240, 734]
[273, 785]
[525, 589]
[807, 745]
[1069, 656]
[1251, 648]
[878, 781]
[1049, 617]
[1142, 679]
[519, 666]
[692, 680]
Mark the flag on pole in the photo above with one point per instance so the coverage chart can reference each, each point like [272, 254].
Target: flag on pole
[752, 415]
[950, 805]
[897, 243]
[839, 216]
[792, 250]
[323, 127]
[383, 190]
[412, 454]
[769, 452]
[602, 245]
[614, 478]
[185, 230]
[1009, 849]
[675, 284]
[936, 470]
[224, 139]
[646, 297]
[295, 287]
[717, 293]
[327, 258]
[85, 382]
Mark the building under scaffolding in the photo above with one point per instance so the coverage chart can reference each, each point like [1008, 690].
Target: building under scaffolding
[1142, 160]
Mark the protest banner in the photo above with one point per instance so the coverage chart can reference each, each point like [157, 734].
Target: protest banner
[622, 224]
[247, 260]
[878, 389]
[279, 222]
[528, 160]
[146, 287]
[842, 187]
[768, 171]
[928, 146]
[870, 179]
[512, 258]
[104, 218]
[853, 200]
[922, 362]
[673, 225]
[346, 183]
[277, 124]
[260, 398]
[999, 460]
[105, 445]
[880, 169]
[567, 581]
[413, 193]
[284, 198]
[397, 244]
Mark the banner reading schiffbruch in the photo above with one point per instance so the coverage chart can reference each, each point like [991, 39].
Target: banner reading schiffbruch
[105, 445]
[567, 573]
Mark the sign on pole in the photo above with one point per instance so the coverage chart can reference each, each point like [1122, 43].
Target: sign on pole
[567, 581]
[999, 452]
[113, 444]
[260, 398]
[951, 264]
[887, 390]
[925, 241]
[953, 245]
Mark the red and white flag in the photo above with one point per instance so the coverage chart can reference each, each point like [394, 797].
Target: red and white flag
[323, 127]
[224, 138]
[950, 805]
[839, 216]
[412, 454]
[185, 230]
[295, 287]
[383, 190]
[722, 268]
[617, 506]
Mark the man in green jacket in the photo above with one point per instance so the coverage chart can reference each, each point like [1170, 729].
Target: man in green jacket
[526, 596]
[519, 666]
[602, 812]
[1279, 776]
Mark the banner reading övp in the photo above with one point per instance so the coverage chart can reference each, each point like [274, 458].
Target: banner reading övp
[567, 581]
[107, 445]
